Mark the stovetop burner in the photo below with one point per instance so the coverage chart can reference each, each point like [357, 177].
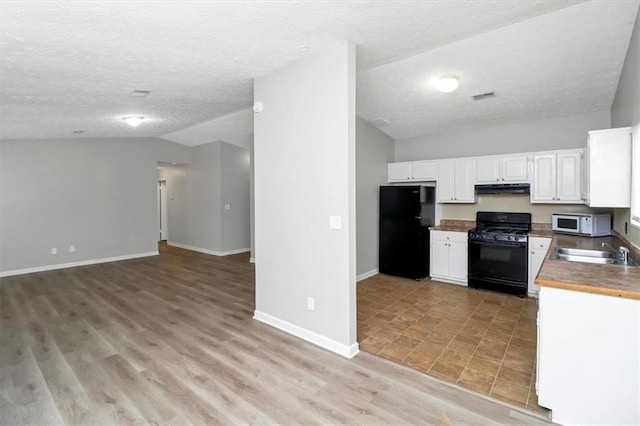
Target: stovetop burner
[492, 229]
[501, 227]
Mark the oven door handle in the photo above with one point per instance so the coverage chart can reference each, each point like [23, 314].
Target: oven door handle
[498, 243]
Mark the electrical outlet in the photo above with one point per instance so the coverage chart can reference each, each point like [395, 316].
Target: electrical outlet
[72, 249]
[54, 250]
[227, 206]
[311, 304]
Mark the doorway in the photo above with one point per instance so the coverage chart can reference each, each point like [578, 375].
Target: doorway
[162, 210]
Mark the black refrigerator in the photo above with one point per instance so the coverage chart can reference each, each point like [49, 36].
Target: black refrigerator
[406, 213]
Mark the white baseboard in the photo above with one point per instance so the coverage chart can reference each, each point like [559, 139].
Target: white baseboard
[309, 336]
[449, 280]
[207, 251]
[74, 264]
[366, 275]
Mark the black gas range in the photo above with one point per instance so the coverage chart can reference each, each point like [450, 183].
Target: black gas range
[498, 257]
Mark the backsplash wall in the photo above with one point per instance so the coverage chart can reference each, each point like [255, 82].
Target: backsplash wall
[540, 213]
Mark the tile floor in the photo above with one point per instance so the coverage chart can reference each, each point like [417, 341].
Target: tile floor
[481, 340]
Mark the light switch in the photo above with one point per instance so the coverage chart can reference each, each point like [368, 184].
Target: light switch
[335, 222]
[227, 206]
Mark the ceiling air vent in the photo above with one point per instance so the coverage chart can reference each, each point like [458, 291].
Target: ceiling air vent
[380, 122]
[483, 96]
[139, 93]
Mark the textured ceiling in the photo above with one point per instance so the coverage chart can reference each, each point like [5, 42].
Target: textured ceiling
[558, 64]
[69, 65]
[233, 128]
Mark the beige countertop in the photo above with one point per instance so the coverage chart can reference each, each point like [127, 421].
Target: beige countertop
[452, 225]
[609, 280]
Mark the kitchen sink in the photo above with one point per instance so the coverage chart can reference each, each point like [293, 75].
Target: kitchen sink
[587, 253]
[599, 257]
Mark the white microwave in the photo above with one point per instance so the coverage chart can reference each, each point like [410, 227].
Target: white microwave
[592, 225]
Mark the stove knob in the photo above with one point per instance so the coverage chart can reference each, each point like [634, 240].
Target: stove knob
[495, 237]
[509, 237]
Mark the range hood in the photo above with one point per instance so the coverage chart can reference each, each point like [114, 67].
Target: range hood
[503, 188]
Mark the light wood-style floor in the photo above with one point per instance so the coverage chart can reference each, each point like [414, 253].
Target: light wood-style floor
[170, 339]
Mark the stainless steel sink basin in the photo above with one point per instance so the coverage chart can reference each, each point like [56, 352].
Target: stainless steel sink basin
[599, 257]
[586, 253]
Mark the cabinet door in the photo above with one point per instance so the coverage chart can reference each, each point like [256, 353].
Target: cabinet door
[569, 177]
[399, 172]
[537, 252]
[464, 181]
[514, 169]
[458, 261]
[607, 166]
[439, 258]
[544, 178]
[445, 188]
[488, 170]
[424, 170]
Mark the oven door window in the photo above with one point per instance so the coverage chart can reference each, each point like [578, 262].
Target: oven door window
[505, 261]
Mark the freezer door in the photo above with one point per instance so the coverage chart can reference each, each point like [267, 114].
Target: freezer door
[400, 201]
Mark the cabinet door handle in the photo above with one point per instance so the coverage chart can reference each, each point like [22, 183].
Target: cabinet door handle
[533, 252]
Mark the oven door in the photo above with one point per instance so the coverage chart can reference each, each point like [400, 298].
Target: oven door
[500, 261]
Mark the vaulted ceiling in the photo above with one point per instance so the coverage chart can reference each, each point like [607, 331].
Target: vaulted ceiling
[68, 65]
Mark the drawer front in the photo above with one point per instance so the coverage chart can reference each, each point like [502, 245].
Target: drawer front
[449, 236]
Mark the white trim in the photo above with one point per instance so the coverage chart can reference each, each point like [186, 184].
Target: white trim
[207, 251]
[252, 260]
[74, 264]
[309, 336]
[449, 280]
[366, 275]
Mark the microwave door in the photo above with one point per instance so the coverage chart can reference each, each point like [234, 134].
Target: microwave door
[568, 224]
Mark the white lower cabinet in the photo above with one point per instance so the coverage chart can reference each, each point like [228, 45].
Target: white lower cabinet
[538, 248]
[588, 357]
[448, 261]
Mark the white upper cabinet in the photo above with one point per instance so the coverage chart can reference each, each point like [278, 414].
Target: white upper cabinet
[413, 171]
[569, 177]
[488, 169]
[502, 169]
[515, 168]
[557, 178]
[424, 170]
[456, 181]
[399, 172]
[608, 168]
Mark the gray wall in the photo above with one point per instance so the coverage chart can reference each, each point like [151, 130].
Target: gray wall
[374, 150]
[626, 112]
[304, 154]
[235, 191]
[538, 135]
[218, 175]
[99, 195]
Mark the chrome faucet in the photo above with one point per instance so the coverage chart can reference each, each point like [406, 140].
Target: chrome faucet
[622, 253]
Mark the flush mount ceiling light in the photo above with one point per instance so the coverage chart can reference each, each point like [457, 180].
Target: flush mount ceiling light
[133, 121]
[447, 83]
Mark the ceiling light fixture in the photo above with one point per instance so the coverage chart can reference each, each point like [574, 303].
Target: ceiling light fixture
[133, 121]
[447, 83]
